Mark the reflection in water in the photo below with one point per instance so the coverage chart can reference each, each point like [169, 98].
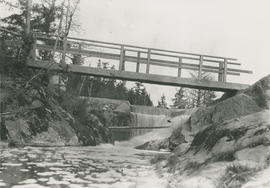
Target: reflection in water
[101, 166]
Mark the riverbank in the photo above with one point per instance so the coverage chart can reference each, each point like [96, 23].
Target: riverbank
[38, 114]
[223, 145]
[42, 115]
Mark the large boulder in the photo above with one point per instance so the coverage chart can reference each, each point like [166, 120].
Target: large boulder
[252, 100]
[233, 107]
[260, 92]
[21, 132]
[31, 115]
[226, 144]
[234, 135]
[155, 145]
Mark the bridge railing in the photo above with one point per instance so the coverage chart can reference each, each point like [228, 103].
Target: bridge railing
[125, 53]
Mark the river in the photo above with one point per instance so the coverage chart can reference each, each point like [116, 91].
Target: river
[101, 166]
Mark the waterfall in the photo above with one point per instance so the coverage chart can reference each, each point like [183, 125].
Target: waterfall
[156, 134]
[142, 116]
[146, 120]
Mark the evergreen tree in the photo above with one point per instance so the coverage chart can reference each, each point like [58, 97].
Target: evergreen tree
[180, 101]
[191, 98]
[162, 102]
[139, 96]
[200, 97]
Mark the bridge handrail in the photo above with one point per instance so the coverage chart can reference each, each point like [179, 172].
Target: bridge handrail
[66, 46]
[39, 35]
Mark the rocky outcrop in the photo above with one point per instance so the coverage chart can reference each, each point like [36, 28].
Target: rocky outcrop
[157, 145]
[30, 116]
[260, 92]
[223, 145]
[244, 103]
[223, 155]
[93, 116]
[36, 115]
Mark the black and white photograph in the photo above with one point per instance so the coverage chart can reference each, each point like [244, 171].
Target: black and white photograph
[134, 94]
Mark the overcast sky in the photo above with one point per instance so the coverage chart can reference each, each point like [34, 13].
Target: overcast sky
[234, 28]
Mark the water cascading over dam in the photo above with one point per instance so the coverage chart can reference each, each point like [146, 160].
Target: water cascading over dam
[147, 116]
[146, 120]
[154, 134]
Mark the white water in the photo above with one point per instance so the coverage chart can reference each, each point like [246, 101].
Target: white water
[104, 166]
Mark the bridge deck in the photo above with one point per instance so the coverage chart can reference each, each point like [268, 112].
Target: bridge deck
[142, 77]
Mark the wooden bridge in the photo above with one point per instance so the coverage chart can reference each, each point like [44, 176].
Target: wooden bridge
[125, 55]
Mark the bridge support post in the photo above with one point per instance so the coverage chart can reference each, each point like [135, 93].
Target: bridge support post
[225, 70]
[180, 67]
[200, 68]
[80, 56]
[220, 72]
[138, 62]
[148, 61]
[122, 56]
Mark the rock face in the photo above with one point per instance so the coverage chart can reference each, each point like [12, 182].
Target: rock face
[156, 145]
[223, 145]
[260, 92]
[250, 101]
[94, 115]
[29, 119]
[36, 116]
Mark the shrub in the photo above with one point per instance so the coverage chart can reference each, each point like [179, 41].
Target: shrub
[236, 175]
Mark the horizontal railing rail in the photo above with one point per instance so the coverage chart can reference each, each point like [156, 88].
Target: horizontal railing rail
[148, 56]
[125, 53]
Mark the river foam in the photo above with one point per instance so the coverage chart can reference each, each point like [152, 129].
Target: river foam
[105, 166]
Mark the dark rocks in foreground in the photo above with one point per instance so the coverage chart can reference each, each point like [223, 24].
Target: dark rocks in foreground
[37, 116]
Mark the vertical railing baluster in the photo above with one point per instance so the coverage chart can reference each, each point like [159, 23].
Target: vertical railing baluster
[148, 61]
[138, 62]
[225, 70]
[200, 67]
[180, 67]
[80, 56]
[122, 54]
[220, 72]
